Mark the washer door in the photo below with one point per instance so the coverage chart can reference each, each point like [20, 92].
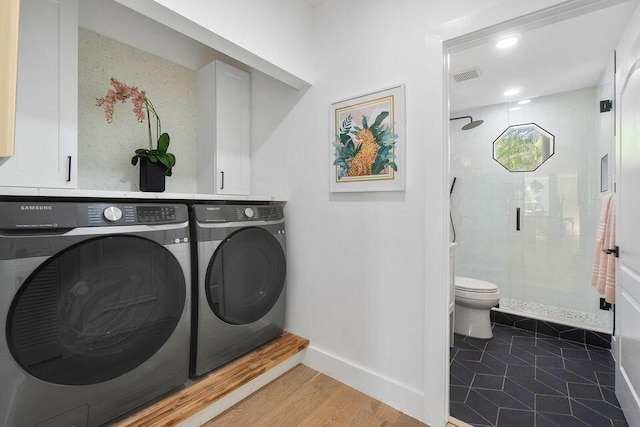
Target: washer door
[245, 276]
[96, 310]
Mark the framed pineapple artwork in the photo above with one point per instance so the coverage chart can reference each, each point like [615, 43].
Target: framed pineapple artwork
[368, 142]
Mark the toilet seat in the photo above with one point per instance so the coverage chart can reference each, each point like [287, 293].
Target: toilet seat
[478, 296]
[468, 284]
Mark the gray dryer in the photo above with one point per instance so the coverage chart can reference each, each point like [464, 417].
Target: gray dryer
[239, 289]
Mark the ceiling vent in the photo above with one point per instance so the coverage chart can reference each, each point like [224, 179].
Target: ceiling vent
[461, 76]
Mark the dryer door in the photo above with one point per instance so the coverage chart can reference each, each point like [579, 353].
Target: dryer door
[245, 276]
[96, 310]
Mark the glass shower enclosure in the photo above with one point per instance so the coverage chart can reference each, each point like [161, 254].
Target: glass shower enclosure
[525, 205]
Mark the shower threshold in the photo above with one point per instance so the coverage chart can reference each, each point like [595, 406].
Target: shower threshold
[600, 322]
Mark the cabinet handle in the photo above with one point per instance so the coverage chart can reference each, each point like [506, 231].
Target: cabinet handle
[68, 168]
[517, 219]
[222, 180]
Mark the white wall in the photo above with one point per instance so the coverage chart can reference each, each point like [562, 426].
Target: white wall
[271, 102]
[549, 260]
[105, 150]
[366, 275]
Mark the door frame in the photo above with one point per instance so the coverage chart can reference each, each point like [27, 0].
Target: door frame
[456, 38]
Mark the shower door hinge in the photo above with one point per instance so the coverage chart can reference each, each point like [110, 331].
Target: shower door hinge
[604, 305]
[605, 105]
[615, 251]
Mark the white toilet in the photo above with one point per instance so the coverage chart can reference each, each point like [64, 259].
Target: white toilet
[474, 299]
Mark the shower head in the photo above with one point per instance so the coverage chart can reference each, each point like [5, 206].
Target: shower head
[472, 124]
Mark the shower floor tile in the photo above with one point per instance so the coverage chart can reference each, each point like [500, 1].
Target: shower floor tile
[600, 320]
[521, 378]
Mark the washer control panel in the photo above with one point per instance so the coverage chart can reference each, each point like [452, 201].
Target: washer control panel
[124, 214]
[66, 215]
[151, 214]
[100, 214]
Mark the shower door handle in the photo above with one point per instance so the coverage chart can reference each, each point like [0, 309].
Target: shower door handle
[517, 219]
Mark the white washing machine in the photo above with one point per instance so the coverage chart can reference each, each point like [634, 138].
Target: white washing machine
[239, 290]
[94, 306]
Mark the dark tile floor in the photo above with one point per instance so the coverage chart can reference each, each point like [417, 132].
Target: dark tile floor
[523, 379]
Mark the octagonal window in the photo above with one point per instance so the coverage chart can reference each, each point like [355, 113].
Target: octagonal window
[523, 148]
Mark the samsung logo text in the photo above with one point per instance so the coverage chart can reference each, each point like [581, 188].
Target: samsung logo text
[36, 208]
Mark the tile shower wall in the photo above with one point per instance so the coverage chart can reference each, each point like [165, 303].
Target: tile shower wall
[105, 150]
[549, 260]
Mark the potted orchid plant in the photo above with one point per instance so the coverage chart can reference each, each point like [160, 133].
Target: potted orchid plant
[155, 163]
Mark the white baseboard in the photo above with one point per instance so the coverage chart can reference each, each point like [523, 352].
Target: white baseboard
[395, 394]
[224, 403]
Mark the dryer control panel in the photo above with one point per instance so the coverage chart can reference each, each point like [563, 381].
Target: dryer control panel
[236, 213]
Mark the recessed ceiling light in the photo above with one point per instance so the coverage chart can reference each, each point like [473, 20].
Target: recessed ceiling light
[507, 42]
[524, 101]
[512, 92]
[514, 108]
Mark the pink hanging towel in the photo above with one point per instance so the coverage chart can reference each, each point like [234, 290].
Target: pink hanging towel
[603, 275]
[610, 281]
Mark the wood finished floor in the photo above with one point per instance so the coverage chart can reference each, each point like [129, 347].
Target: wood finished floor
[185, 402]
[305, 397]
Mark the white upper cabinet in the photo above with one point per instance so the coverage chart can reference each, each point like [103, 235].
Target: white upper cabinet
[47, 97]
[223, 140]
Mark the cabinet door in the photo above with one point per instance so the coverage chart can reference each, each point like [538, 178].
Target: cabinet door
[9, 12]
[232, 122]
[46, 105]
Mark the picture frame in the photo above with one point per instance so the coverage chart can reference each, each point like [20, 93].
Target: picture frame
[368, 142]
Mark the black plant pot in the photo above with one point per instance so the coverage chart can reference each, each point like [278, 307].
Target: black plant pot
[152, 177]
